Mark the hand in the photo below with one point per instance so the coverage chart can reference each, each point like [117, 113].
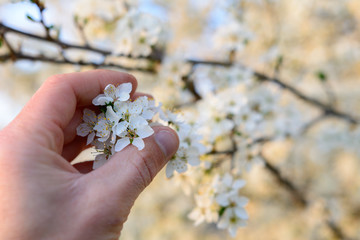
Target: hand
[43, 196]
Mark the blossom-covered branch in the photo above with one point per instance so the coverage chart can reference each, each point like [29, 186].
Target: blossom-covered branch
[155, 56]
[327, 109]
[228, 111]
[14, 56]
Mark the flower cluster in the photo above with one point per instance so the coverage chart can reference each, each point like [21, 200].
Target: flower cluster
[136, 34]
[220, 202]
[232, 36]
[123, 122]
[190, 148]
[120, 123]
[172, 73]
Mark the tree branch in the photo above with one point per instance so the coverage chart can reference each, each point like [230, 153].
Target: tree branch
[20, 56]
[327, 109]
[286, 183]
[306, 127]
[298, 196]
[156, 55]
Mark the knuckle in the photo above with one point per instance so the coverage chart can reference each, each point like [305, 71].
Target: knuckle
[55, 79]
[102, 72]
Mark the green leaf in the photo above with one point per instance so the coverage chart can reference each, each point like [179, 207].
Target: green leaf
[103, 109]
[221, 211]
[321, 76]
[238, 133]
[1, 42]
[30, 18]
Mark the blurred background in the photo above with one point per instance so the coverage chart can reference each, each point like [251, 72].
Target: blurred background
[313, 45]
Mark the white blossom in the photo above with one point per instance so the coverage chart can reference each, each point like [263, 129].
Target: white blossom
[232, 36]
[112, 94]
[136, 34]
[230, 220]
[205, 210]
[247, 156]
[137, 129]
[227, 195]
[87, 127]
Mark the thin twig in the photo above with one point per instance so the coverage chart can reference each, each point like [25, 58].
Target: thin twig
[300, 198]
[286, 183]
[81, 30]
[336, 230]
[41, 8]
[312, 123]
[189, 84]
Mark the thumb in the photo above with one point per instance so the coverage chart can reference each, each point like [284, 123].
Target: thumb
[128, 172]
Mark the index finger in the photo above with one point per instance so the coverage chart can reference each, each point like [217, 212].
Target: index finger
[52, 107]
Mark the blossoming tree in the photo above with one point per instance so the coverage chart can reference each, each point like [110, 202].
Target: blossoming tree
[226, 93]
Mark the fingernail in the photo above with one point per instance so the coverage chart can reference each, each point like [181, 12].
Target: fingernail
[167, 142]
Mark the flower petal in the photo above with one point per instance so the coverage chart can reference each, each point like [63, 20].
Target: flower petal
[137, 121]
[135, 107]
[120, 127]
[169, 170]
[83, 129]
[121, 144]
[90, 138]
[99, 161]
[111, 115]
[101, 100]
[227, 179]
[241, 213]
[121, 107]
[139, 143]
[241, 201]
[232, 230]
[222, 199]
[147, 114]
[102, 129]
[144, 131]
[89, 116]
[180, 166]
[238, 184]
[110, 91]
[193, 160]
[123, 91]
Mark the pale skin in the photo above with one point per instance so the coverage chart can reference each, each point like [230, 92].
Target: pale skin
[44, 196]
